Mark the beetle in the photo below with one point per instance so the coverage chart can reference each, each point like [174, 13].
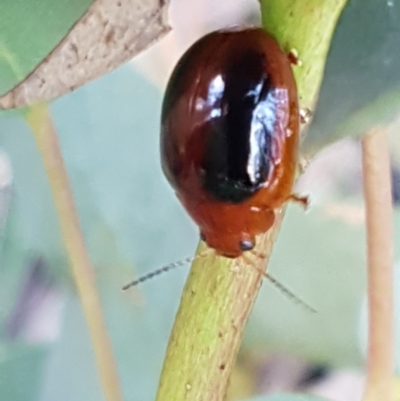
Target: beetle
[230, 135]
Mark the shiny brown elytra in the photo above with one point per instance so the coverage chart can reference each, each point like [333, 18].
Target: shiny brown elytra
[230, 135]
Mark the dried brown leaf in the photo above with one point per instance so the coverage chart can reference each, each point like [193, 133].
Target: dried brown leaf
[109, 34]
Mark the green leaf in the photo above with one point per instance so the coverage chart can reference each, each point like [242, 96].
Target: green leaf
[322, 260]
[139, 332]
[21, 371]
[361, 86]
[119, 183]
[32, 227]
[29, 31]
[130, 215]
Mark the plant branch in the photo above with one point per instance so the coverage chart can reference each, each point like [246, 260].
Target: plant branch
[220, 293]
[216, 302]
[379, 218]
[39, 120]
[307, 28]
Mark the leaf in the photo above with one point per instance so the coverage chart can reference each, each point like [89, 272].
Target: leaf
[21, 371]
[139, 333]
[130, 217]
[29, 31]
[361, 86]
[119, 183]
[32, 225]
[325, 268]
[109, 34]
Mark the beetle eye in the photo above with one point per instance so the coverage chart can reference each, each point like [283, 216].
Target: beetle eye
[246, 245]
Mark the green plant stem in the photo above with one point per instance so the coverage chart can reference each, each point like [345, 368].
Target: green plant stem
[219, 293]
[208, 328]
[38, 118]
[307, 28]
[379, 219]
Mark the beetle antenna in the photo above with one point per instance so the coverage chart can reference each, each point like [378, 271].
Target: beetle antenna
[164, 269]
[282, 288]
[291, 295]
[159, 271]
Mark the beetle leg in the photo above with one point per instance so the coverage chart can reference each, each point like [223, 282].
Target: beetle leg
[303, 200]
[305, 116]
[294, 58]
[303, 164]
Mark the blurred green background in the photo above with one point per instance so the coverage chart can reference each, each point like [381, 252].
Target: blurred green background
[133, 223]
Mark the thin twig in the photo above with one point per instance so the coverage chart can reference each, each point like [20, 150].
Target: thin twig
[45, 135]
[379, 219]
[215, 305]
